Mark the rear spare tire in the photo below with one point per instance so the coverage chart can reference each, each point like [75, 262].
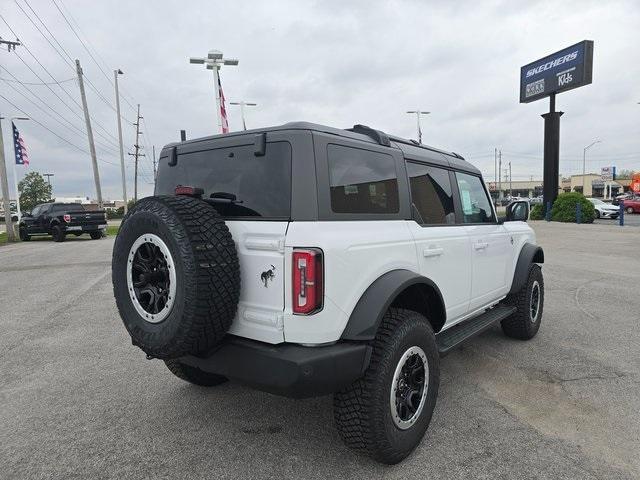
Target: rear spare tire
[176, 276]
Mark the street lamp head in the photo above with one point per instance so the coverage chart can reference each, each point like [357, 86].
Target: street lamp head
[231, 61]
[20, 118]
[196, 60]
[119, 72]
[214, 55]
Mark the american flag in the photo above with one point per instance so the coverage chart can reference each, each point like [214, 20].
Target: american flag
[223, 110]
[18, 145]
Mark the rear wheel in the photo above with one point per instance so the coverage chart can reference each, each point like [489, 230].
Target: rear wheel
[96, 235]
[57, 233]
[529, 302]
[194, 375]
[629, 209]
[386, 413]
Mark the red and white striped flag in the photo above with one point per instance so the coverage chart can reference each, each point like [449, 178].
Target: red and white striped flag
[19, 148]
[223, 110]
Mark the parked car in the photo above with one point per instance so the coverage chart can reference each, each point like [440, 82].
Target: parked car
[285, 259]
[60, 219]
[618, 199]
[632, 205]
[603, 209]
[536, 200]
[14, 216]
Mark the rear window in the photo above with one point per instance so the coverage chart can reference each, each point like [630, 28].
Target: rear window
[261, 185]
[362, 181]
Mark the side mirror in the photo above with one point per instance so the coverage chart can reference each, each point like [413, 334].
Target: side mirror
[518, 211]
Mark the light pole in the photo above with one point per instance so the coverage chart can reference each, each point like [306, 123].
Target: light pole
[243, 104]
[584, 165]
[124, 178]
[213, 62]
[418, 113]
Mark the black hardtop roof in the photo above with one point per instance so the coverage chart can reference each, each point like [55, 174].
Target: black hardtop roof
[358, 132]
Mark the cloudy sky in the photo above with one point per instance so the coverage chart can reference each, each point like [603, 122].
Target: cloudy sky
[332, 62]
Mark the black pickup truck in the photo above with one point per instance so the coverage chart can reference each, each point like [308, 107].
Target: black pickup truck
[60, 219]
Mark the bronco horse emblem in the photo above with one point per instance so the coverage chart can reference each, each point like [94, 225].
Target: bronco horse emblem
[268, 275]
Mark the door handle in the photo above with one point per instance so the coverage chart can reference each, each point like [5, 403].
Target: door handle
[480, 245]
[432, 252]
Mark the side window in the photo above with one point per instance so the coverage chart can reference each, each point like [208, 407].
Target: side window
[36, 211]
[476, 207]
[362, 181]
[431, 193]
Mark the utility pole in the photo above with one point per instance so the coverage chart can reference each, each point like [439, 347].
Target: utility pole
[122, 173]
[136, 155]
[48, 175]
[10, 45]
[11, 234]
[92, 147]
[155, 169]
[510, 181]
[495, 172]
[584, 166]
[499, 174]
[506, 177]
[418, 113]
[243, 104]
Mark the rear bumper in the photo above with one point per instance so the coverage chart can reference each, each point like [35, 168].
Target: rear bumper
[290, 370]
[85, 228]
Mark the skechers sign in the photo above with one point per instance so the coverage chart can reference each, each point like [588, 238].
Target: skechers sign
[564, 70]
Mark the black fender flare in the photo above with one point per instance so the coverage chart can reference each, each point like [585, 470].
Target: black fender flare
[529, 254]
[376, 300]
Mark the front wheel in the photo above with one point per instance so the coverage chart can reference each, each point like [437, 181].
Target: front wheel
[524, 323]
[96, 235]
[597, 214]
[386, 413]
[629, 209]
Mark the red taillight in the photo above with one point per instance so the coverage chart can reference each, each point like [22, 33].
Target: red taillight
[67, 218]
[307, 280]
[189, 191]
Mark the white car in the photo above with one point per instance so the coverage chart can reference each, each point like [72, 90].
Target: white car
[604, 210]
[305, 260]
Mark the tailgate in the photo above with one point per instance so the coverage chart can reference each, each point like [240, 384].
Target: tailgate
[260, 247]
[87, 217]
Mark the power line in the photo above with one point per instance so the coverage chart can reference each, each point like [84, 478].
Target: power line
[49, 130]
[55, 80]
[37, 83]
[122, 92]
[56, 117]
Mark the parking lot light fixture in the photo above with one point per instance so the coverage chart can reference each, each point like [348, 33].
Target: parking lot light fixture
[213, 61]
[417, 114]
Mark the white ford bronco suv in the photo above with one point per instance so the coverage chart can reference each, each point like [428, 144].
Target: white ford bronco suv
[305, 260]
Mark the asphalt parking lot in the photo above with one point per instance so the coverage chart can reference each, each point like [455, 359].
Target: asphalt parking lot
[79, 401]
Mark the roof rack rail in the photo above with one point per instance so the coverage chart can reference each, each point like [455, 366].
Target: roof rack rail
[380, 137]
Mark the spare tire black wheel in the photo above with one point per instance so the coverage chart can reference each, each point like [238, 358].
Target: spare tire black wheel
[176, 276]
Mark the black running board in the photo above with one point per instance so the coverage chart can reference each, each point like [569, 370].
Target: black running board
[460, 333]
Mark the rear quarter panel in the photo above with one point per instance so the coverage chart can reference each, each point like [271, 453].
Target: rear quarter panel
[355, 254]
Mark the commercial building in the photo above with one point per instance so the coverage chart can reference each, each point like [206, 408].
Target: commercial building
[595, 187]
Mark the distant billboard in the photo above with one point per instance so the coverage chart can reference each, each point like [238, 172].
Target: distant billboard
[564, 70]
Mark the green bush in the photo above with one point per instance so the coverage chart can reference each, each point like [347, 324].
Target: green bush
[564, 208]
[537, 212]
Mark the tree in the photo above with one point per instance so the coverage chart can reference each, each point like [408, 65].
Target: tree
[624, 174]
[34, 190]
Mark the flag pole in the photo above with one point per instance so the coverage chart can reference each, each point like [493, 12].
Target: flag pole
[15, 184]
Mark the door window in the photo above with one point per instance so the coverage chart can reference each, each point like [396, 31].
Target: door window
[431, 193]
[476, 207]
[362, 181]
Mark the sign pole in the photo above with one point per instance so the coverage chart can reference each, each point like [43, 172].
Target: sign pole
[551, 152]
